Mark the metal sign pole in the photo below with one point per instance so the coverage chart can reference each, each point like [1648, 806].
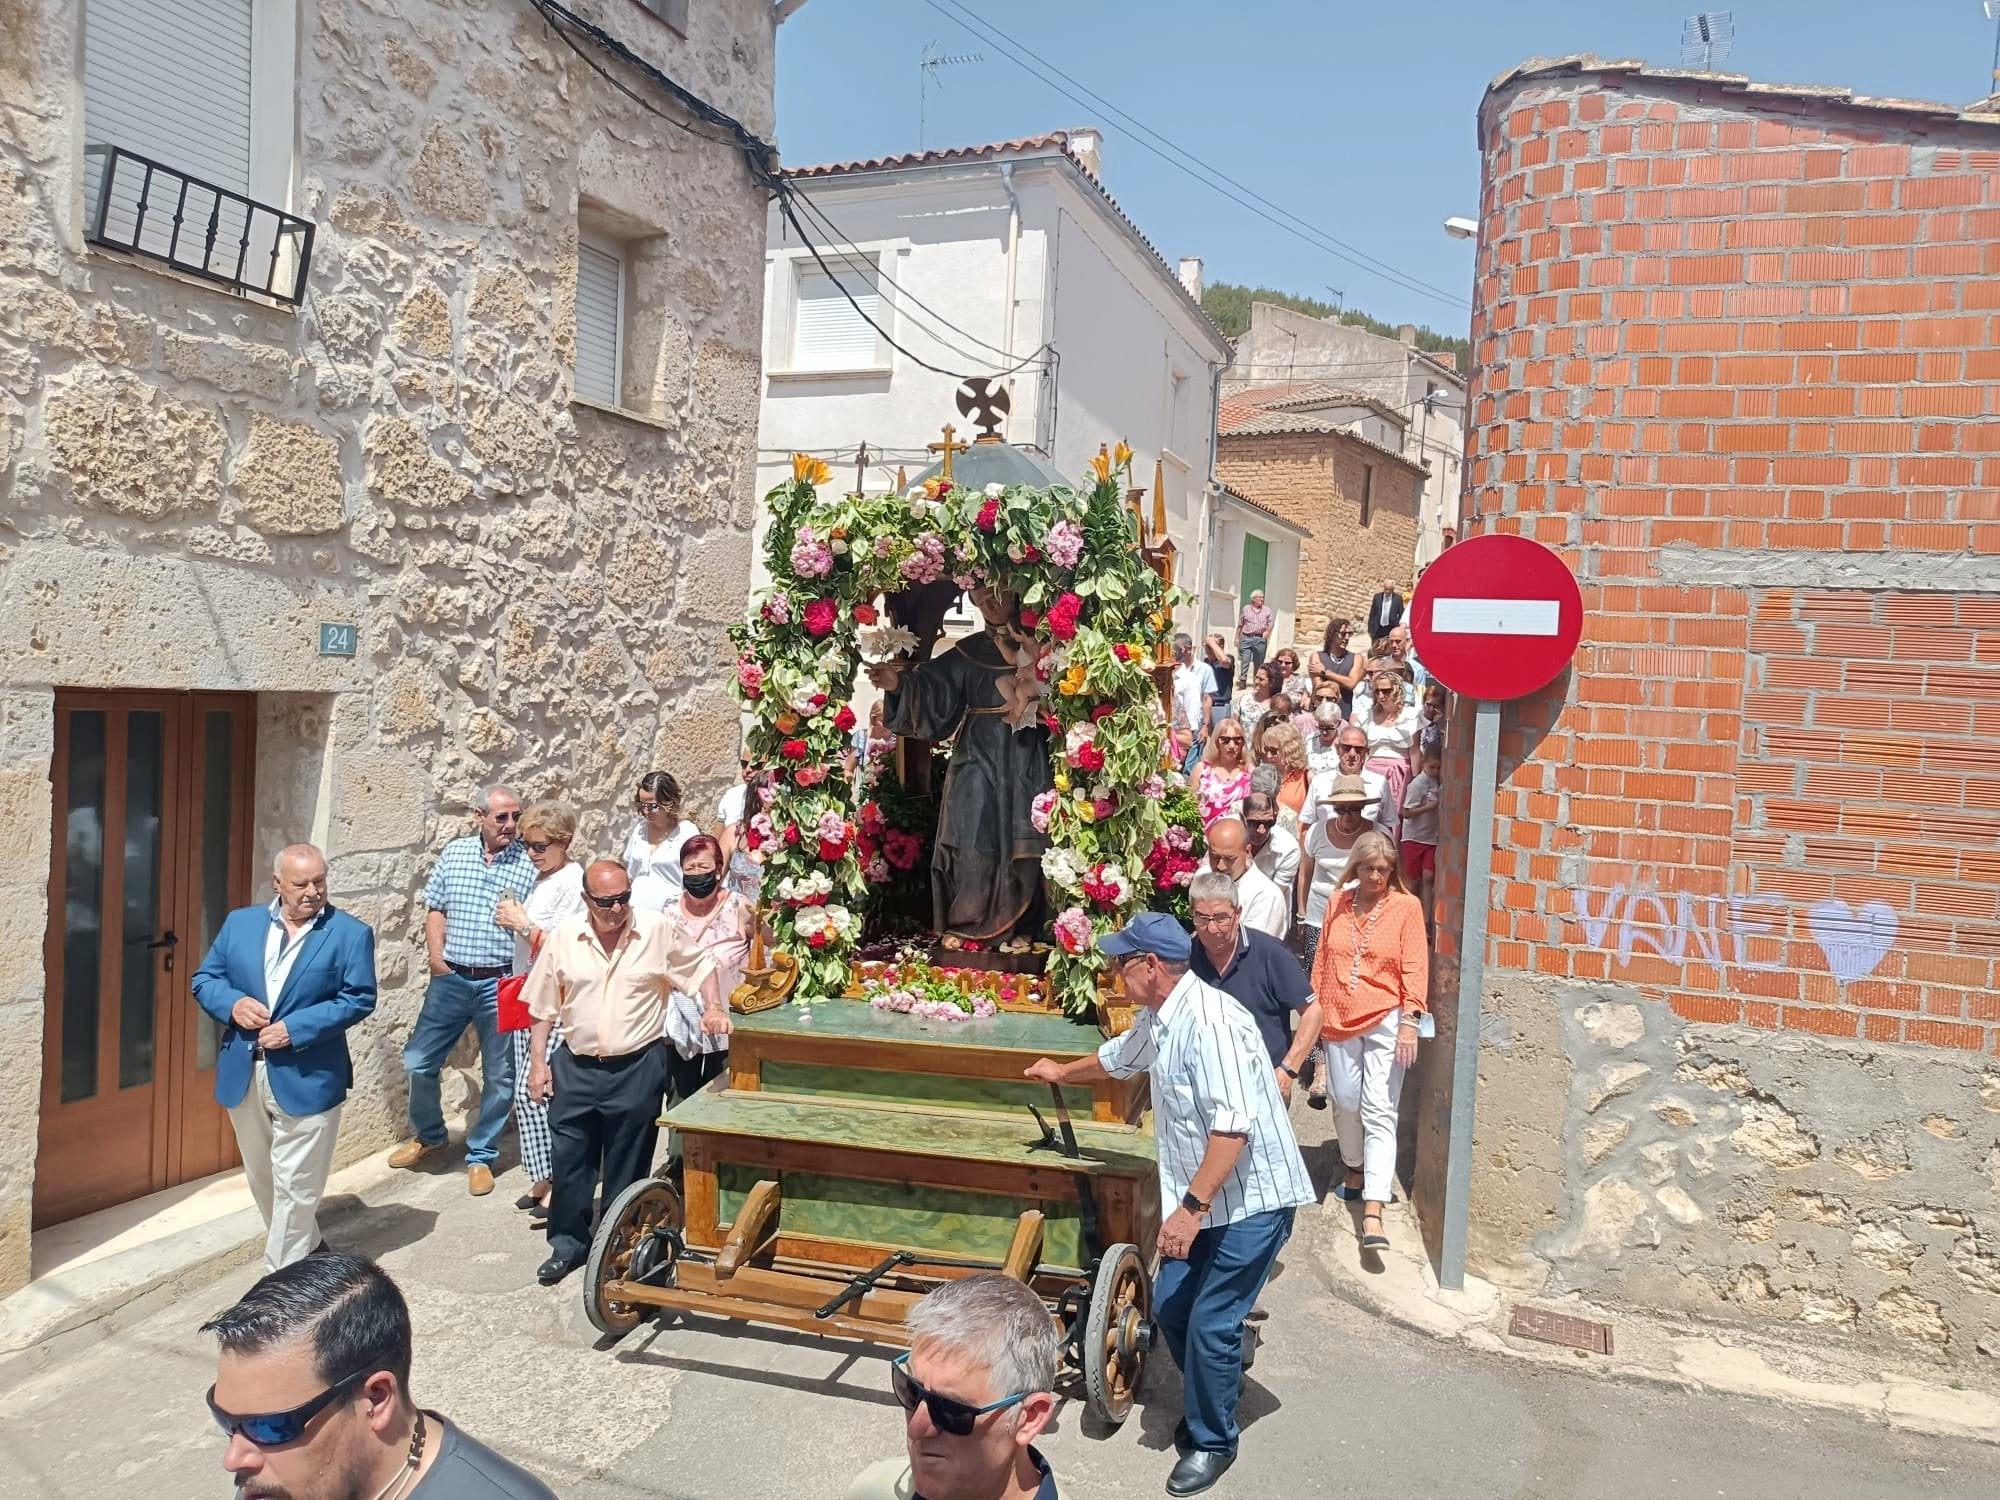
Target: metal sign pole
[1479, 832]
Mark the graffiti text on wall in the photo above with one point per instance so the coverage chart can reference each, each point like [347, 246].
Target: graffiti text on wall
[1746, 931]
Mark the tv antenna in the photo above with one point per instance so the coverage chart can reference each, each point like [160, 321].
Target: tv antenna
[1706, 38]
[927, 76]
[1340, 297]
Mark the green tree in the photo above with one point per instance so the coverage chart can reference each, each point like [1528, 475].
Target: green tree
[1229, 305]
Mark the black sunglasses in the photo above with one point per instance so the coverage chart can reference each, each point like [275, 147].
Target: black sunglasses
[512, 817]
[274, 1429]
[537, 848]
[605, 903]
[949, 1416]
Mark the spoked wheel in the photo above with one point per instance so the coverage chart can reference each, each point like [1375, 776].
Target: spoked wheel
[1117, 1332]
[639, 1234]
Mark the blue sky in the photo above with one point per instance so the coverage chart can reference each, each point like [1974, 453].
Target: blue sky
[1356, 118]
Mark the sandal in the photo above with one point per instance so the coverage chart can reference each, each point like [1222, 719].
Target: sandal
[1315, 1098]
[1373, 1241]
[1346, 1193]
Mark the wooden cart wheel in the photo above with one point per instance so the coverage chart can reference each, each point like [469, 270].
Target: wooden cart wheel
[625, 1235]
[1116, 1332]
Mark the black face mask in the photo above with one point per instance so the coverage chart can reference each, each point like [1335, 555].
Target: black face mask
[701, 887]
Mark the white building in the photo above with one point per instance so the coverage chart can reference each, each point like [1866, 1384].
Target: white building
[1422, 391]
[1009, 261]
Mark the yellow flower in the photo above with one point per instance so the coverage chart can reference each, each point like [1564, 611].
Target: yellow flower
[1086, 812]
[933, 488]
[1062, 781]
[1122, 455]
[1072, 680]
[809, 470]
[1101, 466]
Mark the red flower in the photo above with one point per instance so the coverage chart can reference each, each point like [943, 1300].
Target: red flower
[901, 849]
[864, 614]
[1031, 553]
[1122, 651]
[1030, 618]
[989, 516]
[820, 617]
[810, 775]
[844, 720]
[1089, 758]
[793, 750]
[832, 853]
[816, 940]
[791, 833]
[1103, 711]
[1062, 617]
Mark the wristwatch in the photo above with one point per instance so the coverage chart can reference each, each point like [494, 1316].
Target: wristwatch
[1289, 1071]
[1193, 1204]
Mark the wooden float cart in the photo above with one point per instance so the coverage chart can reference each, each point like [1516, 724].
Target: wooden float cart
[852, 1159]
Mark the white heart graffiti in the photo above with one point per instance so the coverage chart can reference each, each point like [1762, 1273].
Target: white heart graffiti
[1854, 942]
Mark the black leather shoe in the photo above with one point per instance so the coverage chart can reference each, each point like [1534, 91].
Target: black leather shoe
[1198, 1471]
[554, 1269]
[1183, 1439]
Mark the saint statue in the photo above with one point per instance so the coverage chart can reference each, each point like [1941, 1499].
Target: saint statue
[986, 874]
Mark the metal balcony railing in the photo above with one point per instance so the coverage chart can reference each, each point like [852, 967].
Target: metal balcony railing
[149, 208]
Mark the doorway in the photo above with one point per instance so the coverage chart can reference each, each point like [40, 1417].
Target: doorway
[151, 849]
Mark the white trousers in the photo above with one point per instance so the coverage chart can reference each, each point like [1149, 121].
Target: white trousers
[1362, 1077]
[287, 1159]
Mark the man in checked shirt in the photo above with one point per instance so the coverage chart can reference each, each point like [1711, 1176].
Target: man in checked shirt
[1229, 1166]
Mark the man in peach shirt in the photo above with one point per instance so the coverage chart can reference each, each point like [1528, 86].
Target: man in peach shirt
[608, 976]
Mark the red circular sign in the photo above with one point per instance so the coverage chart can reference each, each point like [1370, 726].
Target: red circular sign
[1496, 616]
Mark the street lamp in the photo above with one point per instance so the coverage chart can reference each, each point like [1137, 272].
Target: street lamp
[1465, 229]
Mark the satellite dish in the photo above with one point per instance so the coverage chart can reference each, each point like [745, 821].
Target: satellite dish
[1706, 39]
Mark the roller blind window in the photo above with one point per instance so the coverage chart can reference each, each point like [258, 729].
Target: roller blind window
[834, 330]
[170, 80]
[600, 324]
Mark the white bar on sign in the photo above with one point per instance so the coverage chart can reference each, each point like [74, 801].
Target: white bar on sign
[1495, 616]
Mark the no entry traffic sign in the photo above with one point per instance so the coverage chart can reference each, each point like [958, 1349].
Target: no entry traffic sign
[1496, 617]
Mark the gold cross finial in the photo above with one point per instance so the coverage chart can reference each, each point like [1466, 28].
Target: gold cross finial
[948, 448]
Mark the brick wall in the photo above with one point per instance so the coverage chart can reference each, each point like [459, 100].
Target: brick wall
[1737, 359]
[1315, 480]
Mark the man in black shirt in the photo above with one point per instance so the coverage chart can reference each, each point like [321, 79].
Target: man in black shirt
[1257, 971]
[312, 1387]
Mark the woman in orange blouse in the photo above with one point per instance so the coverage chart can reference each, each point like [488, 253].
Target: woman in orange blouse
[1372, 977]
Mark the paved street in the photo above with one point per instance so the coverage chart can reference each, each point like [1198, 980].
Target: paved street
[712, 1413]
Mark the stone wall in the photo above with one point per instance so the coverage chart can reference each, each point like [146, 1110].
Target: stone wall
[1314, 480]
[190, 481]
[1733, 358]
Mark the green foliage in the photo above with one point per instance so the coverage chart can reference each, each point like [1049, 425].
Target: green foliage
[1229, 306]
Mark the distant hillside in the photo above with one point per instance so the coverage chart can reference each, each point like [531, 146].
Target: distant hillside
[1229, 305]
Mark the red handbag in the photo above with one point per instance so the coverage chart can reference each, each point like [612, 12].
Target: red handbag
[513, 1012]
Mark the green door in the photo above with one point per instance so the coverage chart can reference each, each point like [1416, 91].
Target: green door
[1256, 561]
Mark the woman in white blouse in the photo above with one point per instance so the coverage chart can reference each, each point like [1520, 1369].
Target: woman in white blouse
[653, 852]
[547, 830]
[1392, 727]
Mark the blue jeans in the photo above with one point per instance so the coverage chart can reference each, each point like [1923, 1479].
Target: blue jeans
[452, 1003]
[1249, 657]
[1199, 1305]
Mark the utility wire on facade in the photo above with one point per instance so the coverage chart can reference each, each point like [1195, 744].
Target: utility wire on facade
[1191, 164]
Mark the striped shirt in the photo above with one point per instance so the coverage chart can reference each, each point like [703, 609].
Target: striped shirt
[466, 887]
[1211, 1076]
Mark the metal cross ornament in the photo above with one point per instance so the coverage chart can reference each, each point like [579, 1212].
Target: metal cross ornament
[948, 448]
[987, 404]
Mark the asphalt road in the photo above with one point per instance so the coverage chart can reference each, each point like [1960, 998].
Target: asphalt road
[1337, 1405]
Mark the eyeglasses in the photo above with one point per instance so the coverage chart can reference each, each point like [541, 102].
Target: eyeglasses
[499, 817]
[606, 903]
[1229, 739]
[1256, 824]
[645, 806]
[274, 1429]
[537, 848]
[1214, 919]
[950, 1416]
[1353, 749]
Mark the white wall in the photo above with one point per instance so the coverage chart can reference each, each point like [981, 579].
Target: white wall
[1281, 575]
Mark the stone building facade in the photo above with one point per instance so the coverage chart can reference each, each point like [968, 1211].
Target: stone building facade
[1735, 360]
[1357, 502]
[195, 482]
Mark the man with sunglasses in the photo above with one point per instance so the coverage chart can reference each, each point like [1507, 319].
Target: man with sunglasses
[976, 1390]
[469, 953]
[1231, 1176]
[1351, 750]
[608, 975]
[312, 1387]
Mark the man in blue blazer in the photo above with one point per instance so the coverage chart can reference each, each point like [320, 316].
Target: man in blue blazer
[286, 980]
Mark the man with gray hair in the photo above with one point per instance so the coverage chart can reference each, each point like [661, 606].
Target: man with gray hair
[286, 980]
[469, 953]
[1193, 694]
[976, 1390]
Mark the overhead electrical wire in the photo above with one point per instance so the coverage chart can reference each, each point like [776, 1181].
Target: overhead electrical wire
[1210, 177]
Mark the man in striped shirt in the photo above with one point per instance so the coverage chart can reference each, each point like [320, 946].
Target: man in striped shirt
[1231, 1175]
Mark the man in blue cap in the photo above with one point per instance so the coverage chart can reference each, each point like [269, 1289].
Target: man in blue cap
[1230, 1172]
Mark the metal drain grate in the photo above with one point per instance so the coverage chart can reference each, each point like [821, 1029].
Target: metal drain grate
[1547, 1327]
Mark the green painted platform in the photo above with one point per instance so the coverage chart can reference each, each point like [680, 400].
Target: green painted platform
[1010, 1031]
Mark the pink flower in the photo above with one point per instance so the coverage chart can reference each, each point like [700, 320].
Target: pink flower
[1073, 931]
[1039, 810]
[1104, 807]
[877, 871]
[1065, 544]
[820, 617]
[1153, 788]
[778, 608]
[750, 677]
[811, 558]
[902, 848]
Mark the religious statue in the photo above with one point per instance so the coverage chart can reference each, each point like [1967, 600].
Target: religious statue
[986, 874]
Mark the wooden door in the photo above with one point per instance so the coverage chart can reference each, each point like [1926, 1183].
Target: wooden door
[151, 848]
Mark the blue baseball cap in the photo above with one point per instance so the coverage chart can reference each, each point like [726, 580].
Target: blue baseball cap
[1151, 932]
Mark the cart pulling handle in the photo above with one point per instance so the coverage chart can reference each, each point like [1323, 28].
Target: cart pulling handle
[1067, 1145]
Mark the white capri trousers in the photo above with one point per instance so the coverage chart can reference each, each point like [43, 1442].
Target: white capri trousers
[1362, 1077]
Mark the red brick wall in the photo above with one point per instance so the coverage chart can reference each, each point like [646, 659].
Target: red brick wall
[1314, 480]
[1741, 369]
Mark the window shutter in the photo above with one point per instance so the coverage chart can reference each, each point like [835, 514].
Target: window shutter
[170, 80]
[600, 293]
[831, 333]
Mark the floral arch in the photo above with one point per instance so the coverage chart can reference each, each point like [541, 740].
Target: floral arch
[1098, 614]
